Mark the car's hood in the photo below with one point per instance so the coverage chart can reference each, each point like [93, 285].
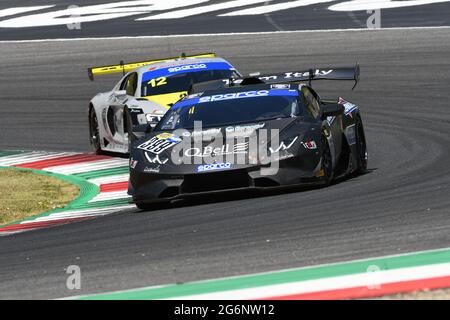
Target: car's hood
[187, 150]
[166, 100]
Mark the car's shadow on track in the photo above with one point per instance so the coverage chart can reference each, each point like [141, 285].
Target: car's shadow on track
[235, 195]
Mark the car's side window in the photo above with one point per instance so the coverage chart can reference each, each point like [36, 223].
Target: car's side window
[312, 105]
[123, 84]
[129, 84]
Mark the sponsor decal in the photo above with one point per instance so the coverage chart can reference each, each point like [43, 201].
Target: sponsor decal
[235, 95]
[283, 146]
[244, 129]
[188, 67]
[155, 159]
[293, 75]
[281, 86]
[310, 145]
[165, 136]
[211, 151]
[160, 143]
[285, 155]
[317, 72]
[351, 135]
[214, 166]
[208, 132]
[133, 163]
[152, 169]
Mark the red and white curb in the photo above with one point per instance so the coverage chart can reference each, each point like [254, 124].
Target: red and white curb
[112, 187]
[365, 278]
[343, 287]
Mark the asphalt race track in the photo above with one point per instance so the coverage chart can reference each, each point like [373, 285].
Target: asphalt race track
[400, 206]
[210, 18]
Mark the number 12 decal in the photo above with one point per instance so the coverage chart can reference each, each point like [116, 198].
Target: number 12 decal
[161, 81]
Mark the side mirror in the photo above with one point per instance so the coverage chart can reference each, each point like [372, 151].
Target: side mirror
[332, 110]
[120, 93]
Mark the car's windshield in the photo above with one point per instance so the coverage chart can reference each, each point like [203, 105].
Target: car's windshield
[182, 81]
[220, 110]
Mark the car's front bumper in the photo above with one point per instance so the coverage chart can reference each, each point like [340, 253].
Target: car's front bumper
[154, 187]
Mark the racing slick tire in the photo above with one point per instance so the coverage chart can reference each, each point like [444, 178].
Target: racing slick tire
[129, 128]
[152, 206]
[143, 206]
[327, 162]
[361, 146]
[94, 132]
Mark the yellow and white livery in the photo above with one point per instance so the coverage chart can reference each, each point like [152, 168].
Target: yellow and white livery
[145, 92]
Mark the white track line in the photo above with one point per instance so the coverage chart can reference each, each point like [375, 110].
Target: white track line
[269, 8]
[88, 166]
[9, 233]
[79, 213]
[183, 13]
[110, 179]
[32, 157]
[113, 195]
[229, 34]
[19, 10]
[366, 279]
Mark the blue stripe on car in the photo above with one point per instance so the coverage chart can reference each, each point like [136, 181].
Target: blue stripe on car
[185, 68]
[236, 95]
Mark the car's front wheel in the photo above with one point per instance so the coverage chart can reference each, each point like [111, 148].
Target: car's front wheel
[327, 161]
[145, 206]
[94, 132]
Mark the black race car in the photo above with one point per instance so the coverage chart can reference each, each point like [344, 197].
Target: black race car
[258, 132]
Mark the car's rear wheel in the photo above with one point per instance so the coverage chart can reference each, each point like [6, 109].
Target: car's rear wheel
[94, 132]
[327, 161]
[361, 146]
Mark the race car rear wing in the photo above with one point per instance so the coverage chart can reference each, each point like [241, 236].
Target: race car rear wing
[126, 67]
[346, 73]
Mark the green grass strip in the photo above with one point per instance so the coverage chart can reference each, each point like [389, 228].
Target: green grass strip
[102, 173]
[9, 153]
[87, 192]
[102, 204]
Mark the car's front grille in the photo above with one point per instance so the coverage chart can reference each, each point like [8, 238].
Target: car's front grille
[215, 181]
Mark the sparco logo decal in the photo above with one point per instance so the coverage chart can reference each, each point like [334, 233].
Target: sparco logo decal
[236, 95]
[214, 166]
[187, 67]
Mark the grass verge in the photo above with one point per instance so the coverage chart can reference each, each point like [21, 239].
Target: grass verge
[24, 194]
